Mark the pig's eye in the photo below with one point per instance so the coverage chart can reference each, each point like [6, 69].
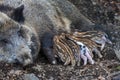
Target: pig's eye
[4, 41]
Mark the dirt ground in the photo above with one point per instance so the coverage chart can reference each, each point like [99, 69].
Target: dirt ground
[107, 68]
[102, 70]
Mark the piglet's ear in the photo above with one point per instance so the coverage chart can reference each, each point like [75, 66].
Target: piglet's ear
[18, 14]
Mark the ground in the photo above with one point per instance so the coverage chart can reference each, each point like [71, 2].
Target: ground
[107, 68]
[101, 70]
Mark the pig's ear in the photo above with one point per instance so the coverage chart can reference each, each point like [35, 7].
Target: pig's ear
[18, 14]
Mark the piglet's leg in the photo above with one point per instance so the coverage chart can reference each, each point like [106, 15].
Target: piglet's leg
[103, 45]
[98, 53]
[84, 58]
[87, 54]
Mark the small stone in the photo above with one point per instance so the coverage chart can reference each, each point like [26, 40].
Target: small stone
[54, 62]
[30, 77]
